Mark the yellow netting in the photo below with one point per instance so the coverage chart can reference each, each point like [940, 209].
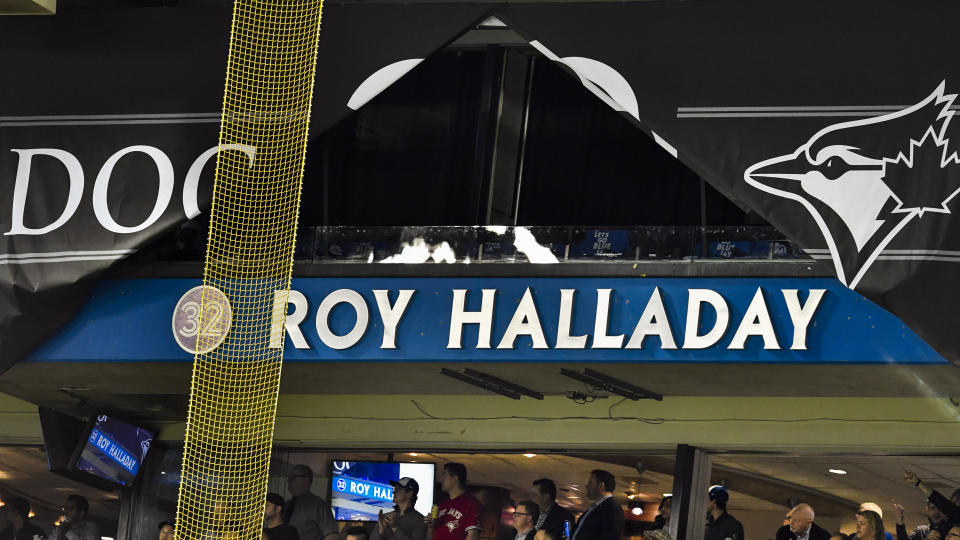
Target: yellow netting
[233, 396]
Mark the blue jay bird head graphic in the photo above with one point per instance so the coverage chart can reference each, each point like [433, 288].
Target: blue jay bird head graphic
[862, 181]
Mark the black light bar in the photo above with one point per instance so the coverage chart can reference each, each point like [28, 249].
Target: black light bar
[611, 384]
[486, 385]
[502, 383]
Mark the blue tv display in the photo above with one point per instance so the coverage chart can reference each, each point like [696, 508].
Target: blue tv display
[359, 490]
[113, 450]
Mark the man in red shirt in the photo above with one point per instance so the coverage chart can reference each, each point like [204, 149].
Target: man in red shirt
[459, 516]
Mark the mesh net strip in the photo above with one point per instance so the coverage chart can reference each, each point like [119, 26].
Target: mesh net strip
[253, 221]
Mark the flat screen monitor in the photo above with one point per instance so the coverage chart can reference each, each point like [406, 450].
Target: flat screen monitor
[113, 450]
[360, 489]
[61, 433]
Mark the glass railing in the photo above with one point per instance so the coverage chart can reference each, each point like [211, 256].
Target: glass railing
[541, 244]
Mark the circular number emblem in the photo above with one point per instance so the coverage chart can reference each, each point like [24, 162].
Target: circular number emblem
[341, 484]
[200, 333]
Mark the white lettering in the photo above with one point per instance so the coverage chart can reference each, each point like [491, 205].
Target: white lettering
[801, 315]
[164, 189]
[696, 297]
[289, 324]
[600, 338]
[564, 339]
[756, 322]
[525, 322]
[358, 488]
[192, 182]
[653, 322]
[460, 317]
[391, 315]
[323, 314]
[74, 175]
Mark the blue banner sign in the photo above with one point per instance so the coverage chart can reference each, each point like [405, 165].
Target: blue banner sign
[114, 451]
[363, 488]
[518, 320]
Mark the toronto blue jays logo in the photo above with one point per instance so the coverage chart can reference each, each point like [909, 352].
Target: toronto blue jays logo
[865, 180]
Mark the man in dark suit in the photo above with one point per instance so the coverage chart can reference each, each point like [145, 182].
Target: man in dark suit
[604, 519]
[801, 525]
[552, 515]
[524, 517]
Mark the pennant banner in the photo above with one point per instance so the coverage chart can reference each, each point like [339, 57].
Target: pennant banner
[108, 132]
[833, 121]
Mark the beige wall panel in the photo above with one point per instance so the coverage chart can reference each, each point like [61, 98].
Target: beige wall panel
[814, 425]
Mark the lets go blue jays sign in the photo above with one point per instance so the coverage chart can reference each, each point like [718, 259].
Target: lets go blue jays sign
[518, 320]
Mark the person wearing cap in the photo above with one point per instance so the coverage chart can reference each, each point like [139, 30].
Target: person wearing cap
[404, 523]
[274, 527]
[720, 524]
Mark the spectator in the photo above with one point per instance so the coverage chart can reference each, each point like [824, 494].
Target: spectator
[404, 523]
[357, 533]
[802, 526]
[459, 516]
[273, 526]
[948, 507]
[937, 522]
[603, 520]
[784, 532]
[547, 534]
[662, 521]
[552, 515]
[308, 513]
[657, 534]
[875, 508]
[75, 525]
[524, 517]
[953, 533]
[18, 518]
[720, 524]
[869, 525]
[166, 530]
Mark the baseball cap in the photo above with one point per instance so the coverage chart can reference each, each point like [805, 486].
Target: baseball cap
[276, 499]
[719, 493]
[406, 483]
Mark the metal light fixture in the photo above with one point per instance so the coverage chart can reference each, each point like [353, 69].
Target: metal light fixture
[611, 384]
[491, 383]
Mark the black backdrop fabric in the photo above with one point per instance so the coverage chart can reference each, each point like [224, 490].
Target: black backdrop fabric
[830, 119]
[139, 90]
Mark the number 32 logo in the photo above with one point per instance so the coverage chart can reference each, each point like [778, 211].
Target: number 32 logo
[201, 331]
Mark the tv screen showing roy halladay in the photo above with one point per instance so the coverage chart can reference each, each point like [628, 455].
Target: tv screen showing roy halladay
[114, 450]
[359, 490]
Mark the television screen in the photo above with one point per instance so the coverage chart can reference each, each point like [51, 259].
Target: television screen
[61, 433]
[360, 489]
[113, 450]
